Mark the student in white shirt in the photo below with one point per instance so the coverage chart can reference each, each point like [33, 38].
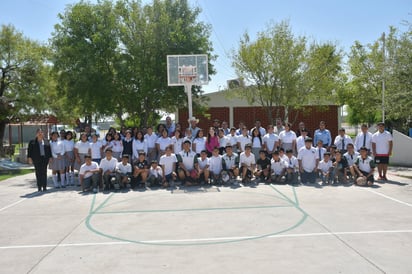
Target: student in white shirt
[188, 166]
[108, 170]
[243, 140]
[155, 174]
[151, 139]
[223, 141]
[363, 139]
[325, 168]
[288, 138]
[139, 144]
[117, 146]
[382, 144]
[300, 141]
[351, 155]
[96, 148]
[203, 164]
[89, 174]
[69, 153]
[124, 172]
[292, 171]
[58, 163]
[247, 164]
[308, 162]
[233, 139]
[177, 141]
[342, 141]
[270, 141]
[364, 168]
[199, 142]
[215, 166]
[277, 168]
[162, 142]
[168, 164]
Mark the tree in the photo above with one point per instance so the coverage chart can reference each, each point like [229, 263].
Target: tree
[23, 77]
[111, 58]
[388, 59]
[282, 70]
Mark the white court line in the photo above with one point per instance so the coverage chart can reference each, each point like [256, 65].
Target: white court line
[388, 197]
[13, 204]
[221, 239]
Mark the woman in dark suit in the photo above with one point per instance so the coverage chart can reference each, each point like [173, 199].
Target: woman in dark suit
[39, 155]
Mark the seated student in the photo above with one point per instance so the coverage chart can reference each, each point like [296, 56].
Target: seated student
[247, 164]
[230, 162]
[215, 166]
[320, 150]
[364, 167]
[124, 172]
[292, 171]
[203, 167]
[155, 175]
[108, 170]
[140, 170]
[89, 174]
[263, 167]
[282, 154]
[325, 169]
[351, 155]
[332, 150]
[340, 168]
[168, 164]
[187, 170]
[277, 168]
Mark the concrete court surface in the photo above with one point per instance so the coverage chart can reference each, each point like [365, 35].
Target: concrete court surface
[263, 229]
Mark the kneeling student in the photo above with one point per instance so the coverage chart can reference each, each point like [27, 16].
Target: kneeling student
[278, 167]
[263, 167]
[124, 172]
[215, 166]
[292, 171]
[168, 164]
[203, 170]
[364, 167]
[325, 168]
[155, 174]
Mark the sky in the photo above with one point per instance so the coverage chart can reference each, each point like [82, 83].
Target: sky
[340, 22]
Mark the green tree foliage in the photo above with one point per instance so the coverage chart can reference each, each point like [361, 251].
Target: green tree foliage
[282, 70]
[23, 77]
[368, 68]
[111, 58]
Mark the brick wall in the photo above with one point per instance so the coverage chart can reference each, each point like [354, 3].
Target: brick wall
[310, 115]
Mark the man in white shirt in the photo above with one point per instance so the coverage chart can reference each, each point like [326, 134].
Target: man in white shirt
[215, 166]
[89, 174]
[277, 168]
[382, 143]
[151, 139]
[364, 167]
[342, 141]
[108, 170]
[308, 162]
[363, 139]
[187, 160]
[168, 164]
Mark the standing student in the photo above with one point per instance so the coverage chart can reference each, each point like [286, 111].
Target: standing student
[39, 154]
[243, 140]
[139, 144]
[108, 170]
[270, 141]
[177, 142]
[233, 139]
[223, 140]
[308, 162]
[162, 142]
[117, 146]
[81, 149]
[128, 145]
[215, 166]
[300, 141]
[382, 144]
[199, 142]
[363, 139]
[256, 142]
[69, 153]
[212, 141]
[96, 148]
[58, 163]
[288, 138]
[151, 139]
[340, 168]
[187, 161]
[342, 140]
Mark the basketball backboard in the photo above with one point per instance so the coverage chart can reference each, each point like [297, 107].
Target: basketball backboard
[187, 69]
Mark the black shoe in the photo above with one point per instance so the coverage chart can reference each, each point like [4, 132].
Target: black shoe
[44, 189]
[39, 189]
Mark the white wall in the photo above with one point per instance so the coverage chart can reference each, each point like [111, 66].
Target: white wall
[402, 150]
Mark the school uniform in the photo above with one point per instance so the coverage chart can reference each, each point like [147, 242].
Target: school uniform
[341, 142]
[151, 146]
[58, 162]
[163, 143]
[83, 149]
[351, 158]
[69, 160]
[215, 165]
[107, 166]
[138, 146]
[365, 166]
[95, 151]
[128, 148]
[363, 140]
[169, 164]
[123, 171]
[200, 144]
[242, 141]
[381, 141]
[247, 161]
[89, 179]
[230, 162]
[277, 169]
[287, 138]
[292, 169]
[325, 167]
[117, 149]
[308, 160]
[270, 140]
[323, 135]
[177, 144]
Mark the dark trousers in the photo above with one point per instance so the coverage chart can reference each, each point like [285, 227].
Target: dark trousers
[41, 172]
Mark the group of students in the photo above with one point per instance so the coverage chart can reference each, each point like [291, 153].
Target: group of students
[132, 158]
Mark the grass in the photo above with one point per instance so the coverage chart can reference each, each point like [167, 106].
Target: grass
[13, 173]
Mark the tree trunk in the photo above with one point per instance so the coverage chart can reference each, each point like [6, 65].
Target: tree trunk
[3, 124]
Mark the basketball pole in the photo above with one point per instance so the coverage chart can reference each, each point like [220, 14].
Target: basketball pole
[188, 90]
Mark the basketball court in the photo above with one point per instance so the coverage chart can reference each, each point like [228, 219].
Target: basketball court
[245, 229]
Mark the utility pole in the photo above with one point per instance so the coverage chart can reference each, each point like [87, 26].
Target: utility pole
[383, 77]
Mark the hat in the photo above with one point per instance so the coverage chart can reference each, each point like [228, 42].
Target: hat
[193, 118]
